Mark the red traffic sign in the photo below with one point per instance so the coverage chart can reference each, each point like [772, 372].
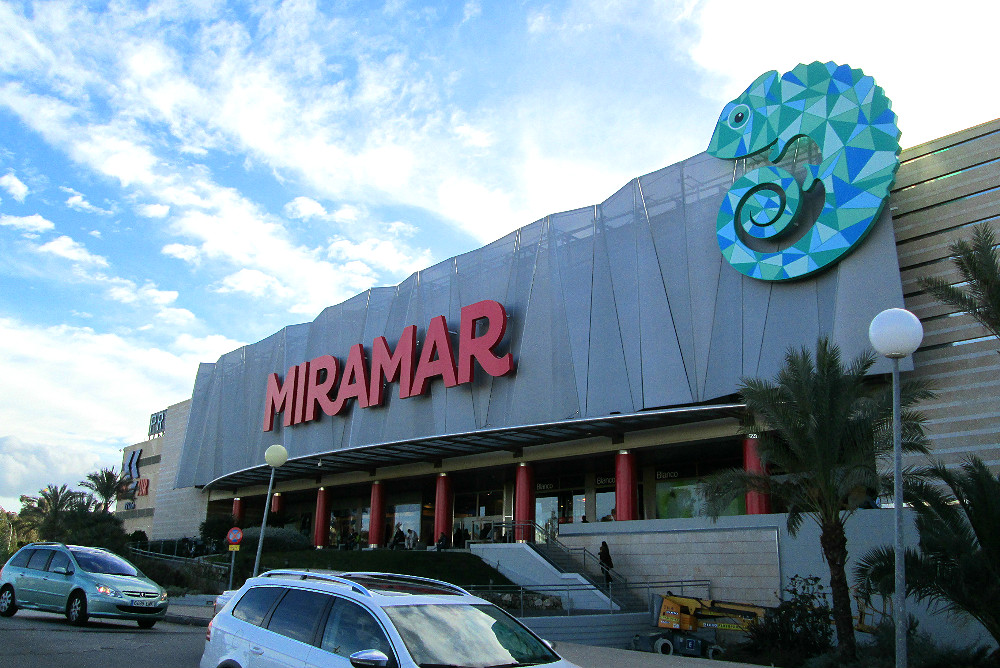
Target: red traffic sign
[234, 536]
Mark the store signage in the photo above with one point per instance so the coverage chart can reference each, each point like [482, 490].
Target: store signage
[605, 480]
[760, 226]
[309, 388]
[157, 423]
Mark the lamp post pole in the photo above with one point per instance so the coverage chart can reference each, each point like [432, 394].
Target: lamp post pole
[275, 456]
[896, 333]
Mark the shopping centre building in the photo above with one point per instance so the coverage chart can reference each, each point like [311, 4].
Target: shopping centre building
[586, 367]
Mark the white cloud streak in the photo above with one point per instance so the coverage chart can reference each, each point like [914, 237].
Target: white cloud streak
[14, 186]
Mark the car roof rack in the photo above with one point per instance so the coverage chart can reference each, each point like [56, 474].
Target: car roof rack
[313, 575]
[405, 579]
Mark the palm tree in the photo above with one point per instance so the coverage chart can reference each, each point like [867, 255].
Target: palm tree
[45, 511]
[978, 263]
[105, 484]
[958, 560]
[822, 430]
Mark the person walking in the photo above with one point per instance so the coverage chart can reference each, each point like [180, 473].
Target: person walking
[398, 538]
[604, 555]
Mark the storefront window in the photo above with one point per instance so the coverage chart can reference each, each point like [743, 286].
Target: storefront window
[684, 498]
[605, 506]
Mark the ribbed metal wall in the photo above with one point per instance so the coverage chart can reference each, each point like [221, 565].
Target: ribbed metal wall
[615, 308]
[943, 188]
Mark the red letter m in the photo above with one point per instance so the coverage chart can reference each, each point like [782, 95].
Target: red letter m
[280, 398]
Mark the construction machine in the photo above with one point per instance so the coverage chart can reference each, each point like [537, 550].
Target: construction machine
[689, 626]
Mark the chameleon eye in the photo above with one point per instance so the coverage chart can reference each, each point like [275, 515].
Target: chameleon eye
[739, 116]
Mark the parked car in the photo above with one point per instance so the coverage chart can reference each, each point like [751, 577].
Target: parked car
[80, 582]
[301, 618]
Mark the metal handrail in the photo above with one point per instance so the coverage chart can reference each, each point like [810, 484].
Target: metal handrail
[185, 561]
[522, 594]
[509, 530]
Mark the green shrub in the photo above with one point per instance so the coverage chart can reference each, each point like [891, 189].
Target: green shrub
[276, 539]
[921, 652]
[95, 529]
[215, 528]
[798, 628]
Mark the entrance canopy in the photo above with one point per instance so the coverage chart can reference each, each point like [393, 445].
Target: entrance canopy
[434, 448]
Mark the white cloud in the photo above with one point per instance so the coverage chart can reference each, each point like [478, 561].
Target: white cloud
[32, 223]
[78, 202]
[105, 386]
[384, 254]
[253, 282]
[67, 248]
[304, 208]
[26, 468]
[14, 186]
[205, 349]
[153, 210]
[952, 51]
[182, 252]
[127, 292]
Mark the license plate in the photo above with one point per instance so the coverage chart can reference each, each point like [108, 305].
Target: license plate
[151, 603]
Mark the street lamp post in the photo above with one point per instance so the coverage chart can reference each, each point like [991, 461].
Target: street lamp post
[275, 456]
[896, 333]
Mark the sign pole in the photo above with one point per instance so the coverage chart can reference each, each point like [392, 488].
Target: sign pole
[232, 567]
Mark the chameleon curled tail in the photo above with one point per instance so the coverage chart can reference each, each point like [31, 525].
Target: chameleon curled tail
[851, 120]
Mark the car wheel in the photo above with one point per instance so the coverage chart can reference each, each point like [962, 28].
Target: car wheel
[8, 605]
[146, 623]
[663, 646]
[76, 609]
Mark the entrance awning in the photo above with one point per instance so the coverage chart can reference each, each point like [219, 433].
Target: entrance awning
[434, 448]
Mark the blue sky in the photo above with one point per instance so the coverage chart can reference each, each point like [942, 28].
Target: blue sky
[178, 179]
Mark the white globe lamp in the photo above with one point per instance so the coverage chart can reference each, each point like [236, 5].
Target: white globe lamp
[896, 333]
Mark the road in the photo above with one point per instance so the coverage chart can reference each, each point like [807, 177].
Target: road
[38, 640]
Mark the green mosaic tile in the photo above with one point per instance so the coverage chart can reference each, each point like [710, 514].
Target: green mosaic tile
[851, 120]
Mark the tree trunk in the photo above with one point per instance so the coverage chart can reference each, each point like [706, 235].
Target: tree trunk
[834, 543]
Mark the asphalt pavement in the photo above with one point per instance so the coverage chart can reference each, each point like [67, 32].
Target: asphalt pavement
[198, 610]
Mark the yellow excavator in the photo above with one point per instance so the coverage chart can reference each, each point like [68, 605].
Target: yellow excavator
[688, 626]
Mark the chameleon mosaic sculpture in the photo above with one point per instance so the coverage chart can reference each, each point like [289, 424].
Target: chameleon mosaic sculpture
[852, 123]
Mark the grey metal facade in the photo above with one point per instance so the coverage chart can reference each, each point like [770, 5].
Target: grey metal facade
[617, 308]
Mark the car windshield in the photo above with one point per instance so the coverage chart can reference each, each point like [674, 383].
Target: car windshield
[103, 562]
[466, 635]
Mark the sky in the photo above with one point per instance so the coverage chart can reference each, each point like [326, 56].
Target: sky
[179, 179]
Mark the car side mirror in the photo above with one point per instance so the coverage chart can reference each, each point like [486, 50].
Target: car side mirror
[61, 570]
[369, 657]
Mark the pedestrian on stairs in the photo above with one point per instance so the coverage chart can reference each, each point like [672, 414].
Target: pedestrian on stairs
[606, 564]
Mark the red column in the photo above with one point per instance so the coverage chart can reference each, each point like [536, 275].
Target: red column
[443, 502]
[376, 516]
[239, 512]
[626, 486]
[321, 521]
[277, 502]
[758, 503]
[524, 502]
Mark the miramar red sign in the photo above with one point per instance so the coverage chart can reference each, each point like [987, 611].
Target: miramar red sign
[308, 388]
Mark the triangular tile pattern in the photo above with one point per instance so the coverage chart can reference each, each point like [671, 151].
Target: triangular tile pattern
[851, 120]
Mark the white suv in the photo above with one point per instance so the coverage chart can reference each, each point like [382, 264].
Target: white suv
[300, 618]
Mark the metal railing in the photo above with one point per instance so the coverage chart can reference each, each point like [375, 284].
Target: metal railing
[216, 570]
[557, 599]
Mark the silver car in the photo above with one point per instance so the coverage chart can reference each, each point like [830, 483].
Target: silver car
[80, 582]
[299, 618]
